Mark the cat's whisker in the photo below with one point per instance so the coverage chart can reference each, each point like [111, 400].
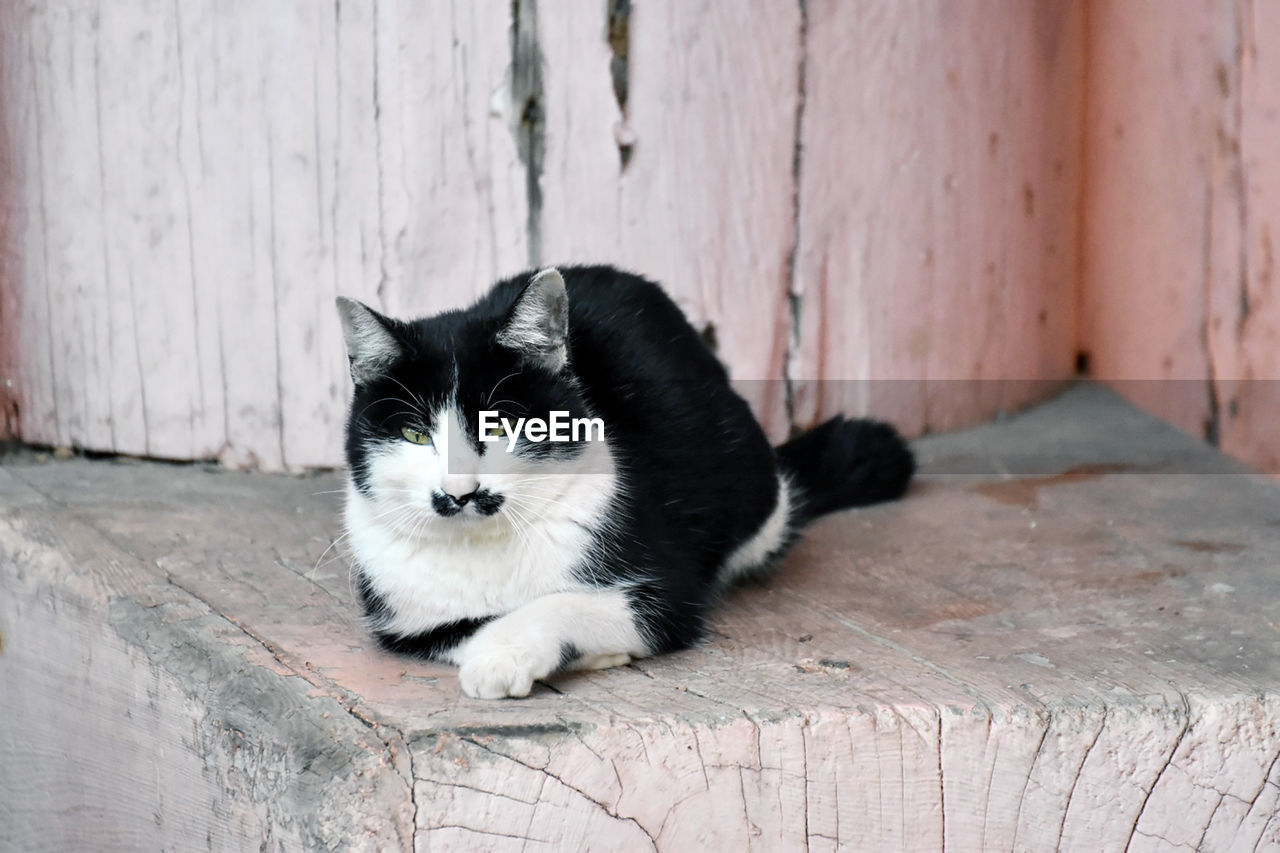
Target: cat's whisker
[521, 406]
[494, 389]
[394, 415]
[546, 500]
[333, 544]
[370, 405]
[420, 402]
[515, 520]
[523, 527]
[538, 528]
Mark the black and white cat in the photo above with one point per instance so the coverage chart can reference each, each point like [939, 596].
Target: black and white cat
[516, 558]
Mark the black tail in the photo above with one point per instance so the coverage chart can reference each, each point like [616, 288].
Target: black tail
[845, 463]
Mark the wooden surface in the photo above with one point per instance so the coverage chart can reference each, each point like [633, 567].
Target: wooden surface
[825, 188]
[705, 202]
[1064, 637]
[1178, 277]
[935, 278]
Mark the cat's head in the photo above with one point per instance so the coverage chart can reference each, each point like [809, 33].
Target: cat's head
[443, 433]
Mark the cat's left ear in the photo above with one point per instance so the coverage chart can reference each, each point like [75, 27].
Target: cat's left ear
[538, 324]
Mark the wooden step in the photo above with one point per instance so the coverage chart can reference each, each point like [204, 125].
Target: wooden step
[1067, 635]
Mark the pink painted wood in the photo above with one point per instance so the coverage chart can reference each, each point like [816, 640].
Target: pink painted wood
[938, 194]
[705, 201]
[185, 191]
[1158, 98]
[1182, 197]
[191, 189]
[1244, 332]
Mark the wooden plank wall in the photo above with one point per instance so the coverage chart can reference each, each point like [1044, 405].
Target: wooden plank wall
[10, 269]
[835, 191]
[1179, 308]
[941, 264]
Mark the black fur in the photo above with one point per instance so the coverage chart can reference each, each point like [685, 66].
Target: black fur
[428, 644]
[701, 477]
[845, 463]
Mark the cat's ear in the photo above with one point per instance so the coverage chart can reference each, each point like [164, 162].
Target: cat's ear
[371, 347]
[538, 322]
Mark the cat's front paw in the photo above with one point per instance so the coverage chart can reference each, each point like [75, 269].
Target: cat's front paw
[497, 673]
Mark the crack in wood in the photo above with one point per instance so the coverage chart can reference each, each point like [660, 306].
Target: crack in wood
[379, 159]
[394, 746]
[1207, 823]
[1066, 807]
[604, 807]
[102, 219]
[490, 832]
[1182, 733]
[942, 788]
[618, 34]
[529, 115]
[795, 295]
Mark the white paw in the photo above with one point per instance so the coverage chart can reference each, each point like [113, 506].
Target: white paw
[499, 672]
[603, 661]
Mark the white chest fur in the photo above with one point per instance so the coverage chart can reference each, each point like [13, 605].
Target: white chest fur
[444, 570]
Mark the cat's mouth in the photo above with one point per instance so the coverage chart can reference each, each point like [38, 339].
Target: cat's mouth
[480, 503]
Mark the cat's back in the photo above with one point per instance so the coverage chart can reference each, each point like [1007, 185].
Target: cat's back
[622, 323]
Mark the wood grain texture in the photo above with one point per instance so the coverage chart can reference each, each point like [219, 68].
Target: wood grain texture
[1161, 103]
[1182, 198]
[871, 207]
[705, 200]
[1073, 661]
[194, 183]
[1244, 321]
[938, 194]
[11, 283]
[198, 746]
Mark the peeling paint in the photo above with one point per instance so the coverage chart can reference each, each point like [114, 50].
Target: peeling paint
[795, 292]
[619, 38]
[528, 117]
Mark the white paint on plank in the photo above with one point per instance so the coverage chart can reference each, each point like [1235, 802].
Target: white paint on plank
[453, 211]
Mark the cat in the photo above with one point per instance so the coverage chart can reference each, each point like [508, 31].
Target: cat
[516, 558]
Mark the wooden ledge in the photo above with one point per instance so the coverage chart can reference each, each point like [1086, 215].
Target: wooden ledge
[1067, 635]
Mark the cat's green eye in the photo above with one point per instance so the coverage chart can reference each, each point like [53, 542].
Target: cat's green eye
[412, 435]
[495, 431]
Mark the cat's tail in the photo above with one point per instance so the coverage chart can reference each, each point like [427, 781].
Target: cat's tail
[844, 463]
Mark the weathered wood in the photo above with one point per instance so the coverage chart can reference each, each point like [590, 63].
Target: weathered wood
[1083, 658]
[692, 184]
[1244, 322]
[10, 259]
[1160, 100]
[877, 201]
[1178, 310]
[192, 184]
[128, 756]
[939, 183]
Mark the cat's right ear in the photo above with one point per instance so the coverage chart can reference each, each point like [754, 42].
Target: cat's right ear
[538, 324]
[371, 347]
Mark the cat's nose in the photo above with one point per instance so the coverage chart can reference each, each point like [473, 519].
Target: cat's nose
[460, 484]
